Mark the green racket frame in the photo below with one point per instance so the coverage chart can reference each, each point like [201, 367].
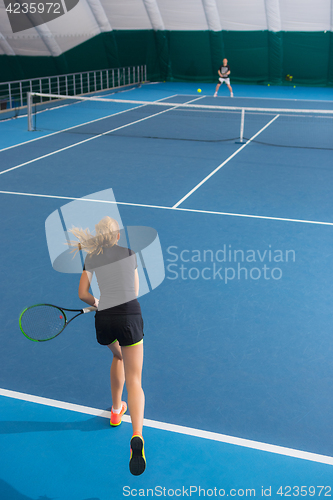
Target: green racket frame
[65, 321]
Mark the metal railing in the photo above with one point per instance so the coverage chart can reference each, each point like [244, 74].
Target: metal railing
[14, 94]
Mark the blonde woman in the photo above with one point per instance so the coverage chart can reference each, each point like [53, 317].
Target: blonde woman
[118, 322]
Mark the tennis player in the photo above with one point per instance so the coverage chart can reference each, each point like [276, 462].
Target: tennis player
[118, 322]
[224, 72]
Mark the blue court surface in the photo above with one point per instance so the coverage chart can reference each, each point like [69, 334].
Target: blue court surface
[238, 370]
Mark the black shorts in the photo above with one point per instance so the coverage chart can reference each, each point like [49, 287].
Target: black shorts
[127, 329]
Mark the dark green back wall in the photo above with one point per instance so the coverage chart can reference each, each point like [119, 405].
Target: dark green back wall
[254, 56]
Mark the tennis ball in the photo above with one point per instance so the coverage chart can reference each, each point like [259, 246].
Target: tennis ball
[199, 90]
[268, 84]
[294, 86]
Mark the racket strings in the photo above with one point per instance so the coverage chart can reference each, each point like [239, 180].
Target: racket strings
[42, 322]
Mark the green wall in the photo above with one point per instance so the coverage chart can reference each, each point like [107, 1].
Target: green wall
[254, 56]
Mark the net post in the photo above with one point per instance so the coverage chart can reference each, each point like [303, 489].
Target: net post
[241, 132]
[29, 111]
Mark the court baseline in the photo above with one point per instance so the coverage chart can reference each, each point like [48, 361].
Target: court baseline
[213, 436]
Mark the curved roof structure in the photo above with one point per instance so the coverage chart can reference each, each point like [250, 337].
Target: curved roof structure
[76, 21]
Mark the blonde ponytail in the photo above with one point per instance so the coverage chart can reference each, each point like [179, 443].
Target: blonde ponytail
[106, 235]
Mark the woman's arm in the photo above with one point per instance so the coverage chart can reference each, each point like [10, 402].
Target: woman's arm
[136, 282]
[84, 286]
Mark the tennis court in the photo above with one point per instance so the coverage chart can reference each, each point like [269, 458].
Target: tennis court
[238, 337]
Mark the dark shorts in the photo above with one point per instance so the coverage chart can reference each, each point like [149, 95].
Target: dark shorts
[127, 329]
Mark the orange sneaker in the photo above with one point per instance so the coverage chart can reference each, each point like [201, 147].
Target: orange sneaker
[116, 417]
[137, 463]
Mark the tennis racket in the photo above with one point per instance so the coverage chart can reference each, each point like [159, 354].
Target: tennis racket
[43, 322]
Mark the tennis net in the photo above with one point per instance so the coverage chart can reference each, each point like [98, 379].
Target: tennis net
[181, 121]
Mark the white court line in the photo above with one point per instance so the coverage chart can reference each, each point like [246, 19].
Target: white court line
[96, 136]
[80, 142]
[74, 126]
[224, 163]
[80, 124]
[160, 207]
[188, 431]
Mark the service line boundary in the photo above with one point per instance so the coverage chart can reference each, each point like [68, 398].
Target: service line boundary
[178, 209]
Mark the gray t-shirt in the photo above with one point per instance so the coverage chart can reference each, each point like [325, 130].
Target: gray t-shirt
[114, 269]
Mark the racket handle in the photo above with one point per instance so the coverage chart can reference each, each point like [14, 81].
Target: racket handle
[89, 309]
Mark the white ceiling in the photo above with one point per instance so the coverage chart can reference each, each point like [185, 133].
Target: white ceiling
[91, 17]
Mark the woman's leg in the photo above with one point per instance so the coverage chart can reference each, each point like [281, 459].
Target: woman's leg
[117, 375]
[133, 361]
